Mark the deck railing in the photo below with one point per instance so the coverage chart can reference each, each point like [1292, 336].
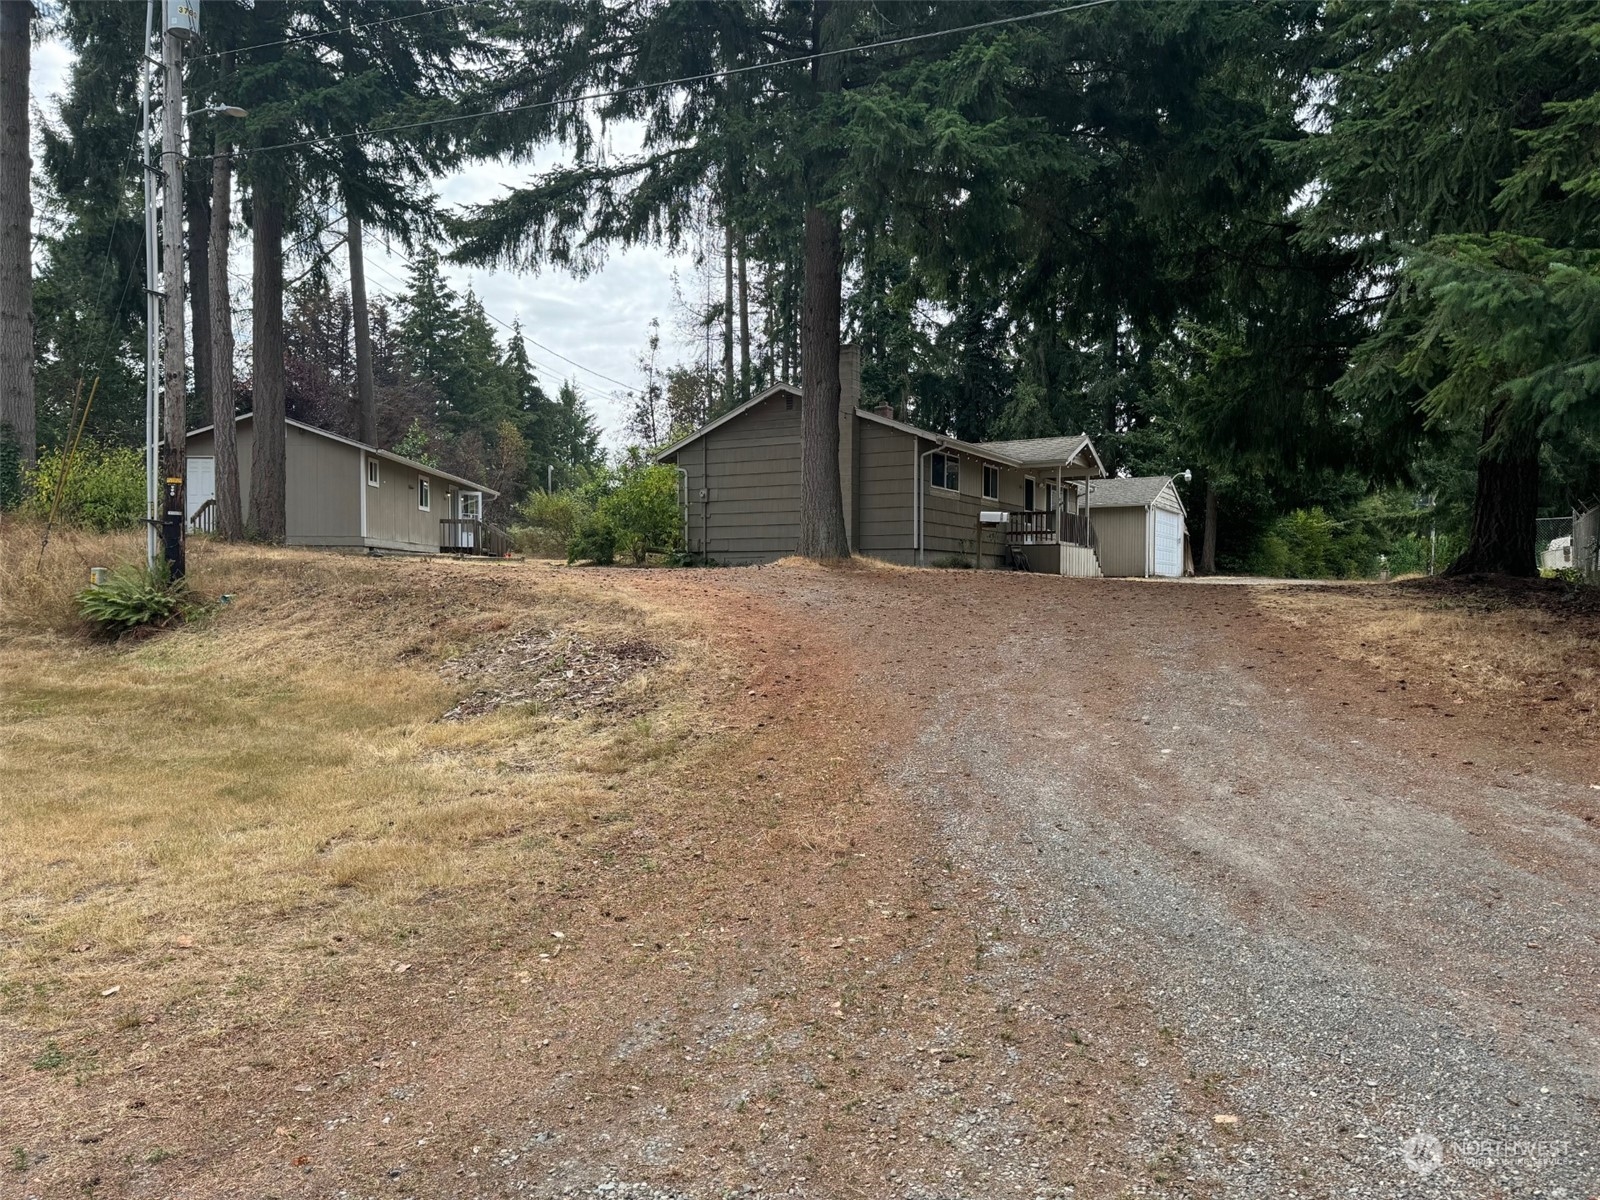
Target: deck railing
[204, 519]
[465, 535]
[1031, 528]
[1039, 529]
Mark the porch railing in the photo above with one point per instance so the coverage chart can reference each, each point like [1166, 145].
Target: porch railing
[1078, 530]
[1039, 529]
[204, 519]
[465, 535]
[1031, 528]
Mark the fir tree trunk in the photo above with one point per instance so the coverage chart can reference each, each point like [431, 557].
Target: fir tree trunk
[1504, 507]
[174, 363]
[822, 528]
[199, 213]
[17, 422]
[230, 518]
[744, 327]
[1208, 546]
[365, 396]
[267, 520]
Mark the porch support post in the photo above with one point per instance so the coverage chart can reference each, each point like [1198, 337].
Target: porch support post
[1061, 505]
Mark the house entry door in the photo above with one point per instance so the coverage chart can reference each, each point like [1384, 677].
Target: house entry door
[200, 483]
[471, 510]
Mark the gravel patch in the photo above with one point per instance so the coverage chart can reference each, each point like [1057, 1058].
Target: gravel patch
[1383, 970]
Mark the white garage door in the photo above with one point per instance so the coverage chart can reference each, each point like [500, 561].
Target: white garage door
[1169, 543]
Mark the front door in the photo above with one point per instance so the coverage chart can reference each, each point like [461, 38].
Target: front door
[1027, 494]
[200, 484]
[471, 510]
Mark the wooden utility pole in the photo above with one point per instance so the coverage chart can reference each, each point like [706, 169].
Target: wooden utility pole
[363, 328]
[17, 425]
[174, 415]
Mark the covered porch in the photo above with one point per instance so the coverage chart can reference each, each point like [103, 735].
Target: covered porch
[1050, 533]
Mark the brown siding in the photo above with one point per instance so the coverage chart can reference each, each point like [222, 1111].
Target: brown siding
[393, 519]
[950, 520]
[744, 485]
[1121, 534]
[322, 498]
[202, 445]
[885, 465]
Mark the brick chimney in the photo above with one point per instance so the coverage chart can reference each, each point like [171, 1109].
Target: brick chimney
[886, 410]
[849, 401]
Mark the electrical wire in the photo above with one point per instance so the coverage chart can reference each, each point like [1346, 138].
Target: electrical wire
[323, 33]
[547, 349]
[618, 93]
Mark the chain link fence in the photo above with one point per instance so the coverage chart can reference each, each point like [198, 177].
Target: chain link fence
[1586, 544]
[1552, 543]
[1569, 544]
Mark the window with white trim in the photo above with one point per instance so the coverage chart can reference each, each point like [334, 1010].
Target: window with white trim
[944, 471]
[424, 497]
[372, 472]
[991, 482]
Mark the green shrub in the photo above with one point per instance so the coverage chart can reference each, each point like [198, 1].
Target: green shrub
[547, 522]
[595, 541]
[643, 511]
[104, 491]
[10, 469]
[134, 597]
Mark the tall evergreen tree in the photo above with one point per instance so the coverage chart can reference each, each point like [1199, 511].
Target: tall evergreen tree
[1448, 157]
[18, 437]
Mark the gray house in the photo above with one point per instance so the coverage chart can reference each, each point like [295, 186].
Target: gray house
[340, 492]
[910, 495]
[1140, 527]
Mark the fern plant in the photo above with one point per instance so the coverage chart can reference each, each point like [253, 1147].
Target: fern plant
[135, 597]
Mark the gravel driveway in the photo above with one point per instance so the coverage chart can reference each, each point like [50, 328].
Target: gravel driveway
[1359, 920]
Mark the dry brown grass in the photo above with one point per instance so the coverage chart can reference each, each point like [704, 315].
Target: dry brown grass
[1530, 651]
[225, 801]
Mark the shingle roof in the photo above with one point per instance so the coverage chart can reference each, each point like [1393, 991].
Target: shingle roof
[1032, 452]
[423, 468]
[1137, 492]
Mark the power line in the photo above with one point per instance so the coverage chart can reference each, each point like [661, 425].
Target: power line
[324, 33]
[547, 349]
[617, 93]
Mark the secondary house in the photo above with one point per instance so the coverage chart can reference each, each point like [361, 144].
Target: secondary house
[1140, 527]
[341, 492]
[910, 495]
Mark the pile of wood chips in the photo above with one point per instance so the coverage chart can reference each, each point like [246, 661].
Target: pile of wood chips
[563, 674]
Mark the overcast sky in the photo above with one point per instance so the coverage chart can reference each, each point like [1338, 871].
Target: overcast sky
[600, 321]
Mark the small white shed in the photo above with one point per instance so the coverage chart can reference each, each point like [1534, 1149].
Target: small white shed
[1140, 527]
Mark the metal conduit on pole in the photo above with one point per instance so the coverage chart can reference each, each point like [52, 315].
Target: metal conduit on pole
[152, 312]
